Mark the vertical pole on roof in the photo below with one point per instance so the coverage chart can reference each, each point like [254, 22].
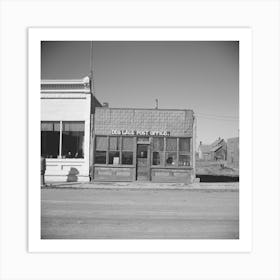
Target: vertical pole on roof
[92, 110]
[91, 69]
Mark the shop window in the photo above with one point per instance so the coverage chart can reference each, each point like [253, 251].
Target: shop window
[101, 143]
[158, 158]
[114, 144]
[127, 144]
[101, 147]
[73, 139]
[127, 158]
[184, 160]
[127, 150]
[114, 147]
[119, 150]
[100, 157]
[158, 147]
[72, 145]
[171, 158]
[185, 145]
[114, 157]
[50, 139]
[158, 144]
[171, 154]
[171, 144]
[184, 152]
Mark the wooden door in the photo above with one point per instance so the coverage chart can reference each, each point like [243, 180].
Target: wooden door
[143, 160]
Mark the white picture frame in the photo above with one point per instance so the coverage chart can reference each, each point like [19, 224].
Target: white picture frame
[243, 35]
[261, 261]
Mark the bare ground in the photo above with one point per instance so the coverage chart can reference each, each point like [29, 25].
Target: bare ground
[139, 214]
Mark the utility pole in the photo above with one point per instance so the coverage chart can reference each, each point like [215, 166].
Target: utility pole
[156, 107]
[91, 70]
[91, 149]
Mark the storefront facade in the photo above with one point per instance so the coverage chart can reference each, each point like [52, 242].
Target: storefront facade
[83, 141]
[66, 110]
[155, 145]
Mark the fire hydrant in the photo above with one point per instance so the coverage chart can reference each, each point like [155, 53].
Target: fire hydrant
[43, 170]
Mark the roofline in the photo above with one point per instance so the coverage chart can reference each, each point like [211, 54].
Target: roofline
[83, 83]
[84, 80]
[162, 109]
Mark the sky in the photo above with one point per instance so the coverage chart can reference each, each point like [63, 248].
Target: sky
[198, 75]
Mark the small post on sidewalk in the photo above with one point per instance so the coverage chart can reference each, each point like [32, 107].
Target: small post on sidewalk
[43, 169]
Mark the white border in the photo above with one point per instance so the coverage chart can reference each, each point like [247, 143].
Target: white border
[243, 35]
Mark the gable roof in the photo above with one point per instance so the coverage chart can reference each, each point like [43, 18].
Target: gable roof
[217, 142]
[216, 145]
[216, 148]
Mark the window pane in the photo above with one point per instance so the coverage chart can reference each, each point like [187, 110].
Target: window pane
[101, 143]
[73, 126]
[184, 145]
[171, 144]
[184, 160]
[142, 151]
[127, 143]
[143, 139]
[127, 157]
[50, 139]
[171, 159]
[158, 144]
[158, 158]
[100, 157]
[114, 157]
[114, 143]
[73, 139]
[50, 126]
[50, 144]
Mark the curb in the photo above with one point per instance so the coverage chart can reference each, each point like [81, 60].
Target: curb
[144, 186]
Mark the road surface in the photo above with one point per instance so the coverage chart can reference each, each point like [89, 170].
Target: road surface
[139, 214]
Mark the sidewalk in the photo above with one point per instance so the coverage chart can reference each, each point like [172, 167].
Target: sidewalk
[144, 185]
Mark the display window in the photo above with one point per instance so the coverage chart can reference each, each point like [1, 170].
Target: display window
[171, 151]
[114, 150]
[62, 139]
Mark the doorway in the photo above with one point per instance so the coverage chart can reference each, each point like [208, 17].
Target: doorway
[143, 160]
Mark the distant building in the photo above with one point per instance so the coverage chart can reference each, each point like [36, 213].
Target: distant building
[215, 151]
[233, 152]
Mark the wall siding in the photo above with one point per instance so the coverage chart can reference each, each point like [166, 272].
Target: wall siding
[178, 122]
[61, 107]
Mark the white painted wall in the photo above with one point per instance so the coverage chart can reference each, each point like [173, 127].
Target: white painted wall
[65, 107]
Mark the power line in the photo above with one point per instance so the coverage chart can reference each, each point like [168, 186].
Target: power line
[217, 117]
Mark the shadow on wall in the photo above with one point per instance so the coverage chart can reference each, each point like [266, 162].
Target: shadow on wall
[72, 175]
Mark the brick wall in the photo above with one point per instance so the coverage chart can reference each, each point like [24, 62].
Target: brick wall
[178, 122]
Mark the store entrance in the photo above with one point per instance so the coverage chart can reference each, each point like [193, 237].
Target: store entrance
[143, 160]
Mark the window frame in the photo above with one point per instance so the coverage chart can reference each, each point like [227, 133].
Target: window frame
[158, 151]
[121, 150]
[60, 147]
[178, 153]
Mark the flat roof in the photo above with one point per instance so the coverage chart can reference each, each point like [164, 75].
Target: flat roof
[153, 109]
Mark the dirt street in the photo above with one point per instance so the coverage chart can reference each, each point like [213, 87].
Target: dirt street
[139, 214]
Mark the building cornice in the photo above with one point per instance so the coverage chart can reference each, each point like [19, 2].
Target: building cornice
[66, 86]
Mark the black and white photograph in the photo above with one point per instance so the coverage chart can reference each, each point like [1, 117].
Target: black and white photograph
[139, 139]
